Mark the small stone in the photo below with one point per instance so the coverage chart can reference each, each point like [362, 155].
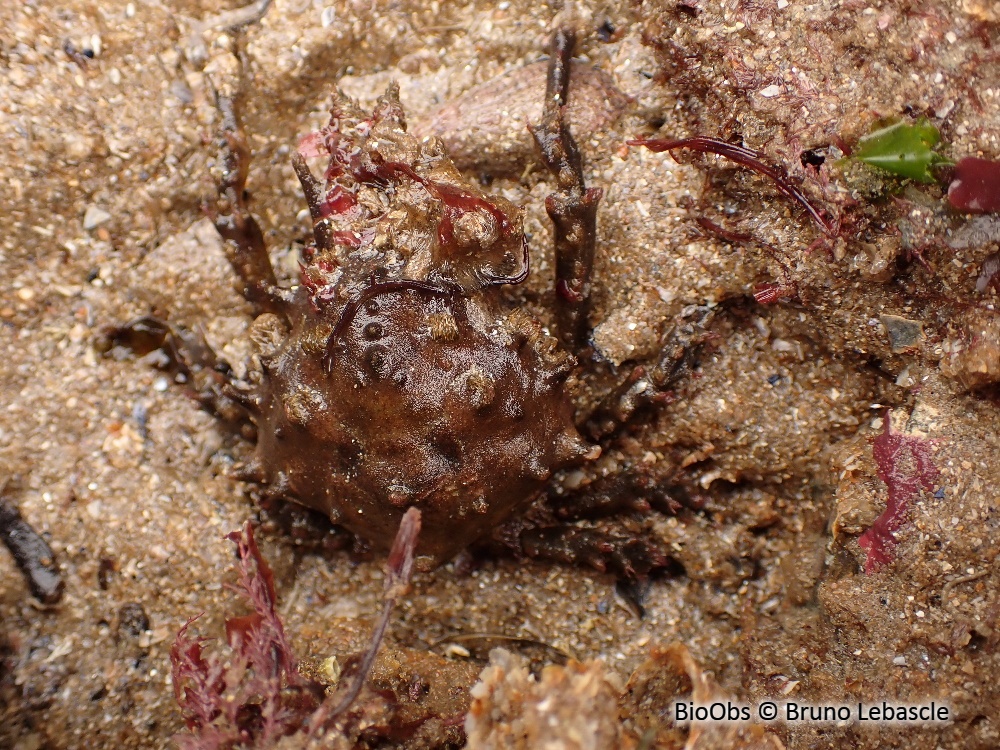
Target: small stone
[770, 91]
[979, 231]
[945, 109]
[904, 335]
[453, 651]
[94, 217]
[330, 671]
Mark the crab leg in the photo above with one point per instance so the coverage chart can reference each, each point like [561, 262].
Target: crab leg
[185, 354]
[633, 490]
[647, 387]
[243, 237]
[628, 558]
[573, 208]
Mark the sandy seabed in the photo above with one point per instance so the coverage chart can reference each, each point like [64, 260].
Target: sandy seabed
[108, 124]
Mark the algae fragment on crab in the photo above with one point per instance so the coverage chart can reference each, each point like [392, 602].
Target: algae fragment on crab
[903, 149]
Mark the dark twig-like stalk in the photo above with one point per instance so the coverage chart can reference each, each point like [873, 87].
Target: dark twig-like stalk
[399, 572]
[31, 552]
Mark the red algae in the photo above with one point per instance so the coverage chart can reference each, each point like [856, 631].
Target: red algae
[976, 186]
[905, 465]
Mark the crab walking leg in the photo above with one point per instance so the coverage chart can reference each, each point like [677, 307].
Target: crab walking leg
[186, 354]
[647, 387]
[243, 237]
[573, 208]
[634, 490]
[627, 558]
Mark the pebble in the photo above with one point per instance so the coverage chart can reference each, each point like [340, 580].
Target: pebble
[93, 217]
[904, 335]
